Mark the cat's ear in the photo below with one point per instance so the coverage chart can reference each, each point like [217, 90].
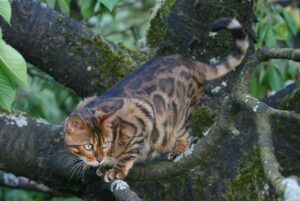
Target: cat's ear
[85, 102]
[102, 116]
[74, 123]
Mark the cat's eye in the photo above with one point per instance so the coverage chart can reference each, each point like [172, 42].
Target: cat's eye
[88, 147]
[104, 144]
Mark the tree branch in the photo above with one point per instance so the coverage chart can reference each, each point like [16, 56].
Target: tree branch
[269, 161]
[42, 34]
[34, 149]
[122, 191]
[10, 180]
[262, 115]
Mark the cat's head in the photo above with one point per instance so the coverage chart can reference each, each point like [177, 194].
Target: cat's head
[88, 135]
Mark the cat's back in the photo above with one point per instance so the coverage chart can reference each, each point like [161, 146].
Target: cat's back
[159, 74]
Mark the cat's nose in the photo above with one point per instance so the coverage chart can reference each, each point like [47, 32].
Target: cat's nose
[99, 159]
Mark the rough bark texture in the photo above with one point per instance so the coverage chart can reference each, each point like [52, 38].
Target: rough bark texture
[53, 42]
[183, 26]
[231, 170]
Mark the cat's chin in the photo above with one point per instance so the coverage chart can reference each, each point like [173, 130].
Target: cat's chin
[93, 164]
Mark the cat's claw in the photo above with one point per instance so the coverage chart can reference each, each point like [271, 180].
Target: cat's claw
[100, 172]
[171, 156]
[113, 174]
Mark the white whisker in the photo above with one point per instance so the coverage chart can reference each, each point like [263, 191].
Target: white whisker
[75, 169]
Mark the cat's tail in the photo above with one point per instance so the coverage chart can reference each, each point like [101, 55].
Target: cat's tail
[237, 54]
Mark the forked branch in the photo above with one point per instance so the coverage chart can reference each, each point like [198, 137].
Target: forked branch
[238, 101]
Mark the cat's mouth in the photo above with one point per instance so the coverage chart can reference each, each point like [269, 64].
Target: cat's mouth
[107, 163]
[93, 163]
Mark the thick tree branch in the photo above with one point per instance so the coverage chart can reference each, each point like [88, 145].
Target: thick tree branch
[10, 180]
[34, 149]
[39, 154]
[66, 49]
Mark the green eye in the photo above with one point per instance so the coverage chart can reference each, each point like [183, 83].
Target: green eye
[88, 147]
[104, 145]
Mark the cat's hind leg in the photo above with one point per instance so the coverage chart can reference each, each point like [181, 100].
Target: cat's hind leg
[182, 143]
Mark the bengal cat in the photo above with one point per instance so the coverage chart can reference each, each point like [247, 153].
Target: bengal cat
[147, 112]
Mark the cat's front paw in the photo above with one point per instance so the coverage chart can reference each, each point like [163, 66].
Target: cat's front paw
[113, 174]
[100, 171]
[104, 167]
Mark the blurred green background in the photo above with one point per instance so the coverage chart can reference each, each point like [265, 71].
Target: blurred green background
[126, 21]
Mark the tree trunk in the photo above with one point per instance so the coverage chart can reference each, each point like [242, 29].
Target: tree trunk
[230, 170]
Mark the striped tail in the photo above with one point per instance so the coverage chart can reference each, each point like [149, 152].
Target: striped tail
[236, 55]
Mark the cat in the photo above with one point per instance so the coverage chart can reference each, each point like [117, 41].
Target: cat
[147, 112]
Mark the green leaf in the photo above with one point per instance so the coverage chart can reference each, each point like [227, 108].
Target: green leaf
[293, 68]
[51, 3]
[261, 73]
[5, 10]
[64, 6]
[274, 78]
[110, 4]
[290, 22]
[7, 90]
[86, 8]
[263, 31]
[282, 67]
[295, 13]
[13, 63]
[281, 31]
[270, 39]
[256, 89]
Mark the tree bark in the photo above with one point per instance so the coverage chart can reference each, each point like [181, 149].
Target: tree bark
[65, 49]
[230, 169]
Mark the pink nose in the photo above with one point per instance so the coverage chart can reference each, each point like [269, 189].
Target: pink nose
[99, 159]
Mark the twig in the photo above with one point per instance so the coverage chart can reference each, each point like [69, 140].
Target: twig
[261, 55]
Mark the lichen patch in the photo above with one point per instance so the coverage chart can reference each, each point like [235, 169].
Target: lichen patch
[18, 120]
[118, 185]
[292, 190]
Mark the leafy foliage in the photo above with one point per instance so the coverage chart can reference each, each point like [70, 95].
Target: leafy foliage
[276, 27]
[12, 65]
[5, 10]
[87, 8]
[21, 195]
[117, 20]
[7, 90]
[45, 98]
